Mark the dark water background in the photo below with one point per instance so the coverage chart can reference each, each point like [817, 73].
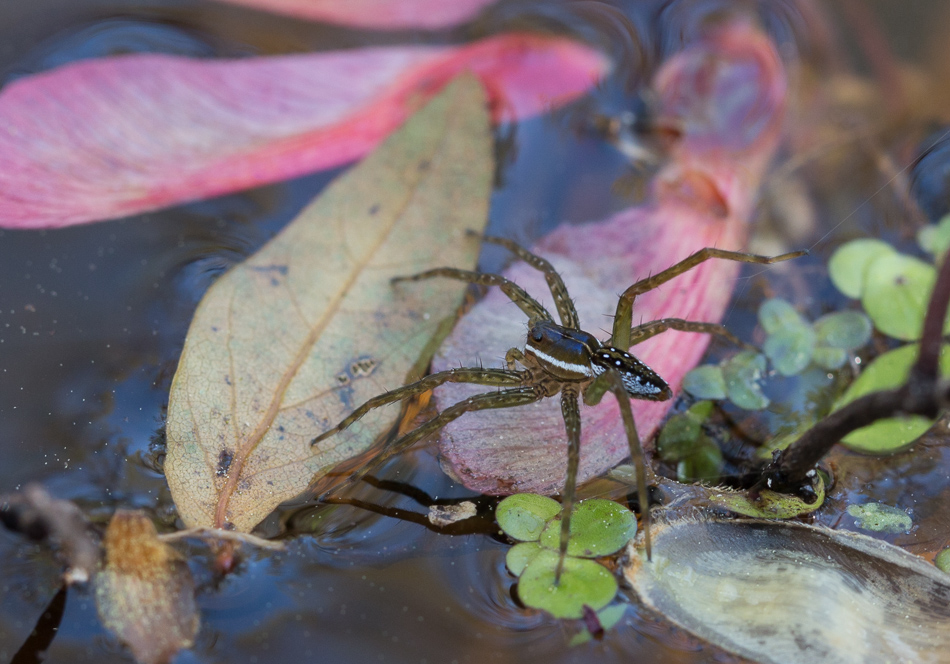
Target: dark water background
[92, 319]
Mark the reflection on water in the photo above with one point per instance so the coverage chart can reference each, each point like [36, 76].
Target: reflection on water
[92, 319]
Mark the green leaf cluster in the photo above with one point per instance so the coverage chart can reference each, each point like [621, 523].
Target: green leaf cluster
[598, 528]
[792, 344]
[737, 379]
[894, 288]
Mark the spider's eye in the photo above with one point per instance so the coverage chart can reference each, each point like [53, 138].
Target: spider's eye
[536, 335]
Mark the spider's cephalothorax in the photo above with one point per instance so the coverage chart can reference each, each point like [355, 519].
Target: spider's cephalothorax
[558, 359]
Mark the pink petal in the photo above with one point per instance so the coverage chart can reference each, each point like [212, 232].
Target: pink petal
[730, 90]
[108, 138]
[377, 14]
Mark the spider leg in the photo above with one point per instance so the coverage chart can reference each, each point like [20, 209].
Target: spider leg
[572, 422]
[623, 320]
[519, 396]
[643, 332]
[516, 293]
[611, 380]
[562, 299]
[477, 376]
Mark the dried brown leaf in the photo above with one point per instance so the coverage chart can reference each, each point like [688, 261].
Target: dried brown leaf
[144, 592]
[285, 345]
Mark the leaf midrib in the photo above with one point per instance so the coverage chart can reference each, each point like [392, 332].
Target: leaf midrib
[250, 444]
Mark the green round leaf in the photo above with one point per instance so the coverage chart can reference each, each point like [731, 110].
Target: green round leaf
[777, 314]
[849, 264]
[935, 238]
[520, 555]
[583, 582]
[880, 518]
[889, 435]
[700, 410]
[678, 437]
[847, 330]
[829, 358]
[942, 561]
[625, 473]
[742, 374]
[927, 238]
[598, 528]
[705, 382]
[523, 515]
[790, 349]
[887, 372]
[896, 293]
[681, 433]
[704, 464]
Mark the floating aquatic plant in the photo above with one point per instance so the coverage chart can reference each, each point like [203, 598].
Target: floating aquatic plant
[598, 528]
[792, 345]
[880, 518]
[893, 288]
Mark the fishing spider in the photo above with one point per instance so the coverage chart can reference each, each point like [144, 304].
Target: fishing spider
[558, 359]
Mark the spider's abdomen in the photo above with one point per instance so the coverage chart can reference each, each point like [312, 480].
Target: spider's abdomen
[641, 381]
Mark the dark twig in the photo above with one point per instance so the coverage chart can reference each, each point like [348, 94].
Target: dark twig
[932, 336]
[481, 524]
[33, 650]
[923, 394]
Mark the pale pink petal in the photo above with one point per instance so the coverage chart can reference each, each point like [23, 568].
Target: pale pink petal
[376, 14]
[730, 91]
[107, 138]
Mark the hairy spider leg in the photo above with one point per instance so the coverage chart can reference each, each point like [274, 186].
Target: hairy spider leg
[570, 411]
[515, 293]
[612, 380]
[500, 377]
[562, 299]
[519, 396]
[643, 332]
[623, 320]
